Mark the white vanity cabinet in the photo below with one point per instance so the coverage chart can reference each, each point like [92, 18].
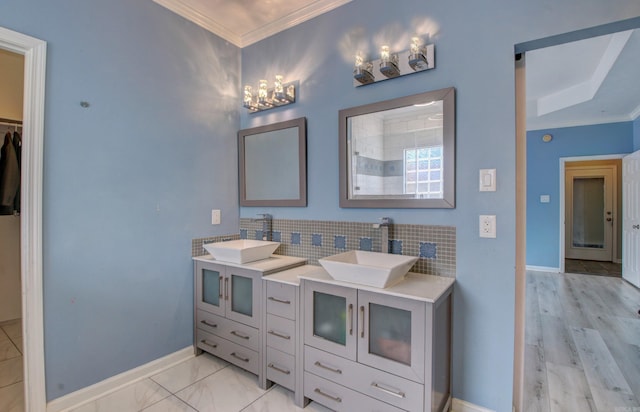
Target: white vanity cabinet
[283, 330]
[229, 309]
[391, 346]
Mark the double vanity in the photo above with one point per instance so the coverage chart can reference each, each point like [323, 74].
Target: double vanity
[383, 343]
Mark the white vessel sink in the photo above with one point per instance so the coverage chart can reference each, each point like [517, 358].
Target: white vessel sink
[241, 250]
[380, 270]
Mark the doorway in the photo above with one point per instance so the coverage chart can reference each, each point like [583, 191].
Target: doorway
[34, 52]
[560, 295]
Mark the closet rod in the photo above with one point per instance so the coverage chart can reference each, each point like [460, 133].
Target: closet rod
[10, 122]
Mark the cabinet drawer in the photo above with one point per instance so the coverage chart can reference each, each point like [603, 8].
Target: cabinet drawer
[339, 398]
[373, 382]
[228, 329]
[281, 368]
[238, 355]
[281, 334]
[281, 299]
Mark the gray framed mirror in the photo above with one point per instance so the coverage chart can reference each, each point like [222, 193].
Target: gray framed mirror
[272, 164]
[399, 153]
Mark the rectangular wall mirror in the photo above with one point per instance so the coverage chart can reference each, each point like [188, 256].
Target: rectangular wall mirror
[273, 164]
[399, 153]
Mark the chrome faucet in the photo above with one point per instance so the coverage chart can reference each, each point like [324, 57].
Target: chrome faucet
[266, 220]
[384, 225]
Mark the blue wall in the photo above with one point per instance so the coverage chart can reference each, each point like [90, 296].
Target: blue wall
[129, 181]
[543, 178]
[474, 53]
[636, 134]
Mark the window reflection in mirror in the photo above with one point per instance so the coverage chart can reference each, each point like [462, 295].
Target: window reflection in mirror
[399, 153]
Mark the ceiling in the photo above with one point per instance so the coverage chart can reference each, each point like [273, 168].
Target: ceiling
[584, 82]
[244, 22]
[579, 83]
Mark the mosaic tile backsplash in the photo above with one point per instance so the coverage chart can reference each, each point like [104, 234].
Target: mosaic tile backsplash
[314, 239]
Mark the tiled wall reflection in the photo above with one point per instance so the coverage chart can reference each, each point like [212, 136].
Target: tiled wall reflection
[315, 239]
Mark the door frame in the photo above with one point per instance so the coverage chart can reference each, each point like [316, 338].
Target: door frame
[561, 196]
[35, 52]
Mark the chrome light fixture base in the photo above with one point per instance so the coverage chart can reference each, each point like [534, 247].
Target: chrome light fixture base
[408, 62]
[281, 95]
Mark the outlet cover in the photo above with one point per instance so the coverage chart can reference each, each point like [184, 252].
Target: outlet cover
[488, 226]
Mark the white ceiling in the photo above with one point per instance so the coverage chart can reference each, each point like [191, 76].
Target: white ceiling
[584, 82]
[244, 22]
[579, 83]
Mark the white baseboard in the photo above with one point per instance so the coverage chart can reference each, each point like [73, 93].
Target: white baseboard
[543, 269]
[459, 405]
[112, 384]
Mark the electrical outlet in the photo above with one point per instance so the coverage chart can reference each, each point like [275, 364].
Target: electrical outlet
[215, 217]
[488, 226]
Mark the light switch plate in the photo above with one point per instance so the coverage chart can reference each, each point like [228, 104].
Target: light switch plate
[487, 180]
[215, 216]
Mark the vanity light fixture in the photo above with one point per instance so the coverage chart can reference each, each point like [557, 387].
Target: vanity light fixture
[419, 57]
[280, 95]
[388, 63]
[363, 71]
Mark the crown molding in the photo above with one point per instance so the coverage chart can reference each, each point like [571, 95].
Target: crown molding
[193, 15]
[299, 16]
[241, 40]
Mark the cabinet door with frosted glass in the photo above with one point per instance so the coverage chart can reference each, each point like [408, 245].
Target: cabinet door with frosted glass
[242, 293]
[210, 287]
[391, 334]
[330, 318]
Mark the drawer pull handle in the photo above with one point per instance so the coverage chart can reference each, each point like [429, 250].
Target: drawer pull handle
[286, 302]
[280, 335]
[239, 357]
[213, 325]
[396, 393]
[212, 345]
[240, 335]
[272, 366]
[326, 395]
[318, 364]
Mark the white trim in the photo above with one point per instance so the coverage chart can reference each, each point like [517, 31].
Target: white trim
[299, 16]
[193, 15]
[536, 124]
[35, 52]
[459, 405]
[561, 228]
[245, 39]
[112, 384]
[543, 269]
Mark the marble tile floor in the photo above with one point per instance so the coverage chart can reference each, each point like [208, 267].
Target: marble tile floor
[201, 384]
[593, 267]
[582, 343]
[11, 384]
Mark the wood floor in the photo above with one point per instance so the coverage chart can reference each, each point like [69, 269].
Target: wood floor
[582, 343]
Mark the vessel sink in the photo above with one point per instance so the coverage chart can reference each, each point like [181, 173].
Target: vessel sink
[241, 250]
[380, 270]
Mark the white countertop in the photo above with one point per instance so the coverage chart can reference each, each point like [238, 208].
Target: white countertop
[417, 286]
[275, 262]
[291, 276]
